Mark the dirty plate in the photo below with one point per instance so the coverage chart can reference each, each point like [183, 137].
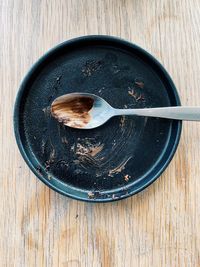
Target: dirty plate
[111, 162]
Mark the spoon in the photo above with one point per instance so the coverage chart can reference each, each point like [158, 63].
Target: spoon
[88, 111]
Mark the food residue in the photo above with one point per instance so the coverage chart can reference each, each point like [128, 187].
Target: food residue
[122, 121]
[119, 168]
[88, 150]
[135, 95]
[90, 67]
[90, 195]
[49, 177]
[139, 84]
[72, 110]
[127, 177]
[131, 92]
[58, 78]
[51, 160]
[39, 169]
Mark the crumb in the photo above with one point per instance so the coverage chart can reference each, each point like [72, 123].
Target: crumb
[90, 67]
[113, 142]
[47, 111]
[58, 78]
[126, 177]
[135, 95]
[115, 69]
[76, 216]
[47, 165]
[39, 169]
[51, 160]
[49, 177]
[34, 137]
[131, 92]
[114, 196]
[122, 121]
[119, 168]
[90, 195]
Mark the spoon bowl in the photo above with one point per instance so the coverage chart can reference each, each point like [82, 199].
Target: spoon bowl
[81, 110]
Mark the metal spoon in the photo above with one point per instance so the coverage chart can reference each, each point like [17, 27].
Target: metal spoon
[88, 111]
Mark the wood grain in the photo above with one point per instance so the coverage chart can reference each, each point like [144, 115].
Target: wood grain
[158, 227]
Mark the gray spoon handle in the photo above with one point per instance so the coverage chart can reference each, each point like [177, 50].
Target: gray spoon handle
[175, 113]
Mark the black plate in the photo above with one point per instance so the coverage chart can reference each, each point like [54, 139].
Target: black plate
[121, 157]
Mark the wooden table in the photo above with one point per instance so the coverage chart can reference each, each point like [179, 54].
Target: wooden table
[158, 227]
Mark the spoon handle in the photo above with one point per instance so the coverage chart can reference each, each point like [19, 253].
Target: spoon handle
[175, 113]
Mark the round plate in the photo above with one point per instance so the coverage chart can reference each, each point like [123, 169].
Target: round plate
[111, 162]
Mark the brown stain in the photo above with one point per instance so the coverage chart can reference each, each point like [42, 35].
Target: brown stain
[81, 150]
[72, 110]
[119, 168]
[95, 150]
[90, 150]
[92, 155]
